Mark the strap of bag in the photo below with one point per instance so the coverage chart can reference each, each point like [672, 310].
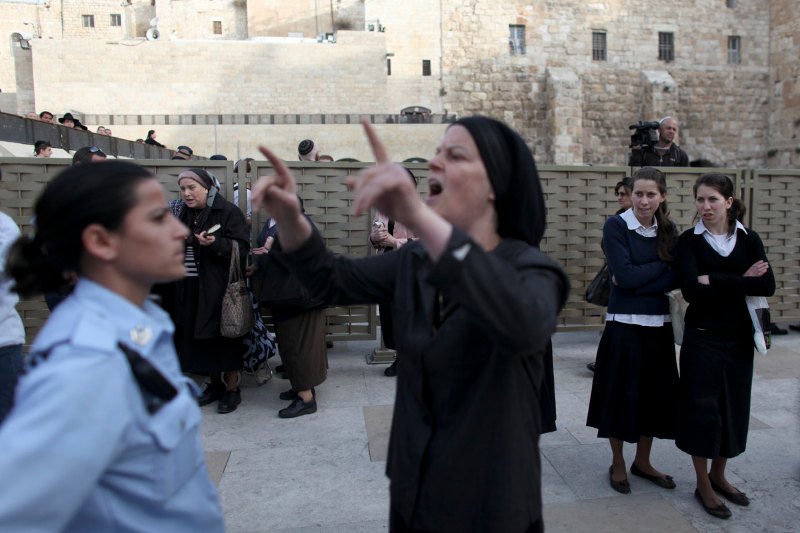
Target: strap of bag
[234, 274]
[156, 390]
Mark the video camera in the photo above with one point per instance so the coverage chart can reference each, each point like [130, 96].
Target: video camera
[645, 136]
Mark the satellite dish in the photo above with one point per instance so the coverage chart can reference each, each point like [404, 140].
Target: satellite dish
[153, 33]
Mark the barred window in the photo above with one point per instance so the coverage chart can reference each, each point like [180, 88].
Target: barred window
[516, 39]
[426, 67]
[666, 46]
[87, 21]
[116, 20]
[217, 27]
[734, 50]
[599, 45]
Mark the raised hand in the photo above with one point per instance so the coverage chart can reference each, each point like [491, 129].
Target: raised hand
[385, 186]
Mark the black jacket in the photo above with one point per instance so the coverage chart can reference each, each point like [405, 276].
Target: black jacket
[674, 157]
[464, 446]
[213, 262]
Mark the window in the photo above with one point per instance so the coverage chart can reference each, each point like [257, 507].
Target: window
[88, 21]
[734, 50]
[730, 4]
[666, 46]
[599, 45]
[516, 39]
[388, 67]
[217, 27]
[426, 67]
[116, 20]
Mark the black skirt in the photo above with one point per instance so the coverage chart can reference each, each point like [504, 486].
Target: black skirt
[635, 387]
[204, 356]
[714, 404]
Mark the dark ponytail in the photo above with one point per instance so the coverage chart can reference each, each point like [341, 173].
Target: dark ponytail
[723, 185]
[667, 232]
[100, 193]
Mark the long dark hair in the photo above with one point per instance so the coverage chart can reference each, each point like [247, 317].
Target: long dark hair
[666, 232]
[101, 193]
[723, 185]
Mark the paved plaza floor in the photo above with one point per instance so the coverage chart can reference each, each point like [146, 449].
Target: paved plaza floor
[325, 472]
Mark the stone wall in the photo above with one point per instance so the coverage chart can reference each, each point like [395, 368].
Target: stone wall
[784, 123]
[210, 77]
[281, 18]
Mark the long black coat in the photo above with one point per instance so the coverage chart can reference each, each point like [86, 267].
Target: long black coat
[213, 262]
[472, 328]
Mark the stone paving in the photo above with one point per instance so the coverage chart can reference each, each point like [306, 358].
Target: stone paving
[325, 472]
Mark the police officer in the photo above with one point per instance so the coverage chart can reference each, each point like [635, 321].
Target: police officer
[104, 434]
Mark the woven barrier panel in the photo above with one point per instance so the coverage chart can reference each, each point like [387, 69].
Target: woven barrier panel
[579, 200]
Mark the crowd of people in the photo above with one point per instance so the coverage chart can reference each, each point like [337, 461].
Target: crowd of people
[467, 299]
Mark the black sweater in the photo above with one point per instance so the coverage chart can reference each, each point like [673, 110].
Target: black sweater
[720, 305]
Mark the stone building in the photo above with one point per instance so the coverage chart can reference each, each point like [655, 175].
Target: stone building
[570, 75]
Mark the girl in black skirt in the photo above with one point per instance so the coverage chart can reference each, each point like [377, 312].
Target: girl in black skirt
[635, 387]
[719, 262]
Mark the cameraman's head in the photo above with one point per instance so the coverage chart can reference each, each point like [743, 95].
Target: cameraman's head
[667, 131]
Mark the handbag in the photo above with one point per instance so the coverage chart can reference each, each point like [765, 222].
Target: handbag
[598, 290]
[759, 314]
[237, 316]
[677, 312]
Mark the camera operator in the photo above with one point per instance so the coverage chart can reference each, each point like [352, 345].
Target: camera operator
[664, 153]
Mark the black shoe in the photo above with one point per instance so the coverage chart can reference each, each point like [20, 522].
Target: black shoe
[794, 327]
[230, 400]
[391, 370]
[299, 408]
[738, 497]
[280, 368]
[720, 511]
[329, 344]
[288, 395]
[590, 366]
[211, 393]
[665, 482]
[623, 487]
[777, 330]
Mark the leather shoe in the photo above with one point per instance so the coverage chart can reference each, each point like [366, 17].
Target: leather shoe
[291, 394]
[299, 408]
[665, 482]
[738, 497]
[590, 367]
[720, 511]
[623, 487]
[288, 395]
[230, 401]
[391, 370]
[775, 329]
[211, 393]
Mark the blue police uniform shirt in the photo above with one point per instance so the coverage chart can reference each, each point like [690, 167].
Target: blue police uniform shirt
[80, 451]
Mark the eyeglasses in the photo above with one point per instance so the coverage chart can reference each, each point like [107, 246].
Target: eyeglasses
[95, 150]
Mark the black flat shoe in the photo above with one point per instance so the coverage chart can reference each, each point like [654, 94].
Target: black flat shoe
[665, 482]
[738, 497]
[211, 393]
[288, 395]
[230, 401]
[299, 408]
[623, 487]
[590, 367]
[391, 370]
[720, 511]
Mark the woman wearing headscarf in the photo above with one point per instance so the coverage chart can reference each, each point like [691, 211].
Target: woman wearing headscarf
[474, 302]
[201, 347]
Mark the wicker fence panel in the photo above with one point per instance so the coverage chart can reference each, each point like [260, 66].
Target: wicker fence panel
[579, 200]
[774, 212]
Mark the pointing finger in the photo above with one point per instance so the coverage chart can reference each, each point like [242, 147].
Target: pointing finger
[381, 155]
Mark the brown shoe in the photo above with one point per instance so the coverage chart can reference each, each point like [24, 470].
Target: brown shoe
[720, 511]
[623, 487]
[738, 497]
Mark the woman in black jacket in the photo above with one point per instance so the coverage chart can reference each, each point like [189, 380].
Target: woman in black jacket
[474, 303]
[719, 263]
[151, 139]
[201, 347]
